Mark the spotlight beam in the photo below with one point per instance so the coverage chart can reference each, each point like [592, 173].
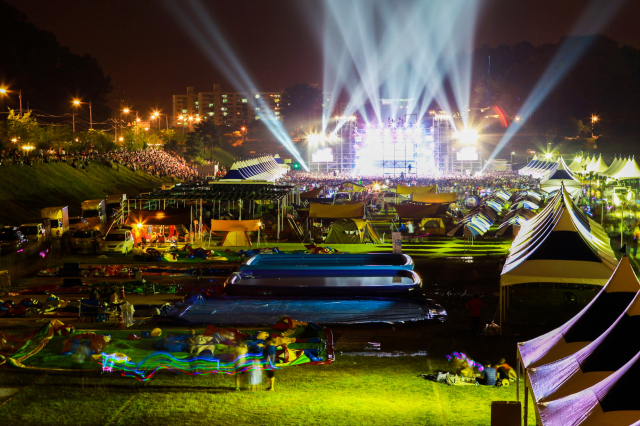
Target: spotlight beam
[204, 32]
[597, 15]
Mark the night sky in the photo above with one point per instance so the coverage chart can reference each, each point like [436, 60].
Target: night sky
[149, 57]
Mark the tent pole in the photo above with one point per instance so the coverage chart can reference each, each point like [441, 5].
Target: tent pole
[518, 375]
[278, 233]
[526, 399]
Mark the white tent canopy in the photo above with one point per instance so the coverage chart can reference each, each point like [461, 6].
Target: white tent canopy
[630, 170]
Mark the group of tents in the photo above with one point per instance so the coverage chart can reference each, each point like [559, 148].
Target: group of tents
[620, 169]
[478, 221]
[583, 372]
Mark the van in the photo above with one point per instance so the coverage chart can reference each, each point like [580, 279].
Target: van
[118, 241]
[33, 231]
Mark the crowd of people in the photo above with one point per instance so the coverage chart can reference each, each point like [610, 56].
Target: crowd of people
[462, 184]
[155, 162]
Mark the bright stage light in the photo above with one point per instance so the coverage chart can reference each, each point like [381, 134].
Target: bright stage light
[517, 119]
[467, 136]
[548, 155]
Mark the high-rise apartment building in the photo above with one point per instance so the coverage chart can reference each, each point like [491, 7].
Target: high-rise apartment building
[225, 108]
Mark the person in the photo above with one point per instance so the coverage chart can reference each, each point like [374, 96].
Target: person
[241, 364]
[504, 370]
[636, 238]
[411, 230]
[115, 299]
[269, 354]
[475, 306]
[488, 377]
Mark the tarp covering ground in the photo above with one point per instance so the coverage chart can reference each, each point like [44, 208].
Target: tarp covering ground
[211, 351]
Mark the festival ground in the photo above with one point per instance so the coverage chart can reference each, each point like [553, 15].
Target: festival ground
[381, 388]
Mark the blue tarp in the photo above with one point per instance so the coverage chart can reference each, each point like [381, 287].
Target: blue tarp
[258, 311]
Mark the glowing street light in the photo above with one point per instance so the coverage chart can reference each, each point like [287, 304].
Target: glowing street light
[517, 118]
[594, 120]
[4, 91]
[156, 115]
[75, 104]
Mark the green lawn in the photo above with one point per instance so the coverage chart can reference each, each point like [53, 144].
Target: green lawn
[355, 390]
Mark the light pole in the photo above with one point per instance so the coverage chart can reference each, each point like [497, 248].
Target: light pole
[76, 103]
[19, 92]
[127, 111]
[512, 157]
[594, 119]
[157, 115]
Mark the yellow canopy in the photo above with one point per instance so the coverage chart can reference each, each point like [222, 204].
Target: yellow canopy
[445, 197]
[327, 211]
[403, 189]
[234, 225]
[351, 187]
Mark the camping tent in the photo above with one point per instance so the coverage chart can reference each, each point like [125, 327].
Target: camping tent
[236, 231]
[611, 170]
[314, 193]
[351, 231]
[539, 169]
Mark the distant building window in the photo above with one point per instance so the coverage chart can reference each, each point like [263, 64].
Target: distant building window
[223, 109]
[197, 115]
[257, 96]
[277, 100]
[257, 118]
[184, 111]
[224, 101]
[224, 113]
[224, 96]
[210, 105]
[257, 109]
[197, 106]
[276, 96]
[210, 114]
[196, 102]
[277, 113]
[244, 101]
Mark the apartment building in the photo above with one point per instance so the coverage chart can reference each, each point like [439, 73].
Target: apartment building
[225, 108]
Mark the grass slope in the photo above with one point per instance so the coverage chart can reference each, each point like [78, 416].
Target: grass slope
[27, 189]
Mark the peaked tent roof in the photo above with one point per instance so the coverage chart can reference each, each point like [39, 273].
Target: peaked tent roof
[576, 164]
[629, 171]
[588, 324]
[612, 166]
[597, 166]
[611, 401]
[561, 245]
[611, 171]
[563, 176]
[593, 363]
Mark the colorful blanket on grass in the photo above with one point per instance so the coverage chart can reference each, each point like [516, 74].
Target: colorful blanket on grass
[304, 344]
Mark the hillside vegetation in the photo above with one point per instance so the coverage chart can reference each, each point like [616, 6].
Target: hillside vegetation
[25, 190]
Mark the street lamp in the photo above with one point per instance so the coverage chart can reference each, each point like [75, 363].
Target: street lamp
[76, 103]
[512, 156]
[127, 111]
[156, 115]
[594, 120]
[19, 92]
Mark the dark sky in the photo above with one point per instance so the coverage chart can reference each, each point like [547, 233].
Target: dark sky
[148, 55]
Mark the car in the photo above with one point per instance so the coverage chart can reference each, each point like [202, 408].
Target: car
[76, 223]
[118, 240]
[85, 240]
[12, 240]
[33, 231]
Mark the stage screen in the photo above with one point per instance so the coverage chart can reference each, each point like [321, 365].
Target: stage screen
[467, 154]
[323, 155]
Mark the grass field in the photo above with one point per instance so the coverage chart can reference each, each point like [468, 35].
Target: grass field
[25, 190]
[355, 390]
